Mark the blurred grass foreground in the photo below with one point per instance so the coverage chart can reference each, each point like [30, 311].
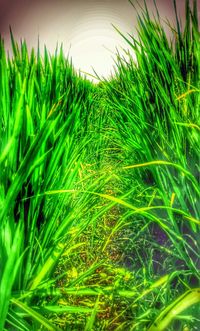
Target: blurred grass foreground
[100, 186]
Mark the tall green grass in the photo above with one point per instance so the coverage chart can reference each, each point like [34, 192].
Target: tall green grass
[45, 111]
[99, 189]
[155, 101]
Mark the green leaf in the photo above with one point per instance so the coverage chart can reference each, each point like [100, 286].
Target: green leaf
[35, 315]
[171, 312]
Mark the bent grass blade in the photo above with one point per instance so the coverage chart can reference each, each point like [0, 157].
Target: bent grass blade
[35, 315]
[185, 301]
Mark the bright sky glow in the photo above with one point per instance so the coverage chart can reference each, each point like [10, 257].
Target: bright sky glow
[83, 27]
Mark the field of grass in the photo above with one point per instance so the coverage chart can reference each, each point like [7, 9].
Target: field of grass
[100, 187]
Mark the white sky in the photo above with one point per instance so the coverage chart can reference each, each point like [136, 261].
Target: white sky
[84, 27]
